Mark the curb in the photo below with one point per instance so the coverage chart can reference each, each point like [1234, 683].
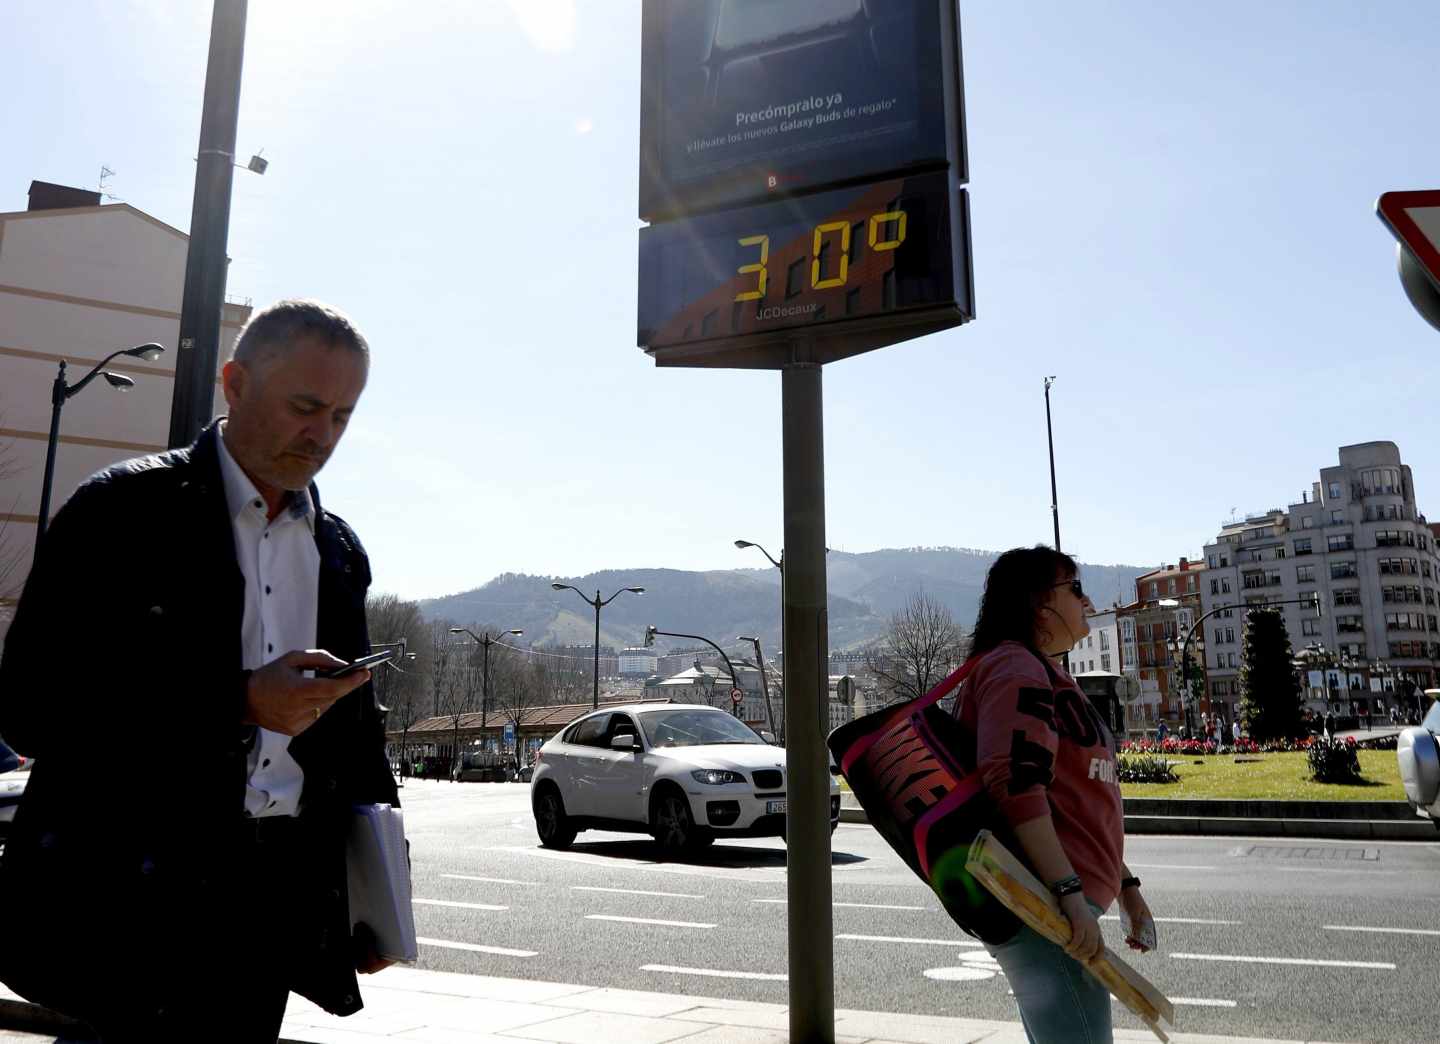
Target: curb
[1293, 825]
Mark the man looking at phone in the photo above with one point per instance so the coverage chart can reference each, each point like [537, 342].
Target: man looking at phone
[177, 609]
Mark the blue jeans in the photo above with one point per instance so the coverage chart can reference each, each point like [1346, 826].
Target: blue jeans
[1060, 1002]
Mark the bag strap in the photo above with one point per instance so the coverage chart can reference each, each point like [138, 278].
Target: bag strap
[947, 685]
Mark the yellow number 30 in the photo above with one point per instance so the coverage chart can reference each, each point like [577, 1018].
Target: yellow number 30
[758, 294]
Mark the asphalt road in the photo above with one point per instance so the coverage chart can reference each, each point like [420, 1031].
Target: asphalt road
[1264, 938]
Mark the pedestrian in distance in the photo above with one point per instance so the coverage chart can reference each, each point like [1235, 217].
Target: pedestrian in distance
[1047, 759]
[1161, 730]
[190, 912]
[1329, 724]
[1235, 731]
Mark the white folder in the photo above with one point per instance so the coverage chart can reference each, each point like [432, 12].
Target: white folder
[379, 874]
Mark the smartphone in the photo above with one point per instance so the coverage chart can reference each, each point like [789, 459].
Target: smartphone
[365, 662]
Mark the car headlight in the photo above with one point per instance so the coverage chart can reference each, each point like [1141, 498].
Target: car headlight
[716, 777]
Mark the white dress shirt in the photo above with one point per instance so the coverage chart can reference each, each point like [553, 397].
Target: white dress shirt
[281, 566]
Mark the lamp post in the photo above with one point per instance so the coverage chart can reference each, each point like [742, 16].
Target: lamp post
[780, 565]
[1050, 439]
[484, 644]
[598, 605]
[59, 392]
[1313, 600]
[651, 632]
[764, 682]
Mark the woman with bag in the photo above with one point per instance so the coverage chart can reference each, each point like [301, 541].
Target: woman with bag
[1048, 761]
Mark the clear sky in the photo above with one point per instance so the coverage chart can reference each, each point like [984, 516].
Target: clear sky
[1173, 212]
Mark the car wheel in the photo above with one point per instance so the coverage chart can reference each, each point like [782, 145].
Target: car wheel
[673, 825]
[551, 822]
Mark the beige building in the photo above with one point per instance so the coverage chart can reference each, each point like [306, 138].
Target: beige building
[77, 281]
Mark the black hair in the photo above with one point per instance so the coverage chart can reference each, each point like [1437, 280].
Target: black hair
[1015, 588]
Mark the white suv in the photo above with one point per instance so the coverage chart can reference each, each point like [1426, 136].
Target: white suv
[1418, 752]
[680, 772]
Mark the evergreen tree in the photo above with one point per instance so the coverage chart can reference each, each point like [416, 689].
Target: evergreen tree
[1270, 703]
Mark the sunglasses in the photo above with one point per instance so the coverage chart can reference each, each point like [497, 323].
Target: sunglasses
[1074, 586]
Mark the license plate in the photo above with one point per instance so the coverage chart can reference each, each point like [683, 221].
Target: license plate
[774, 807]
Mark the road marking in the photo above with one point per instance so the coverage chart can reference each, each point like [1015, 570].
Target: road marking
[487, 880]
[633, 891]
[713, 972]
[1178, 920]
[912, 942]
[1306, 961]
[1394, 931]
[1202, 1002]
[851, 906]
[647, 920]
[1167, 866]
[460, 906]
[498, 951]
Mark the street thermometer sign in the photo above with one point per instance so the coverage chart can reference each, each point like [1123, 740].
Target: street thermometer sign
[801, 166]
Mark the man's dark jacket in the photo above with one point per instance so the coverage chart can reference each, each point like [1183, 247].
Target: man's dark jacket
[122, 678]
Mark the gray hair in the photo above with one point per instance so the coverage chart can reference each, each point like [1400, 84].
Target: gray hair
[273, 331]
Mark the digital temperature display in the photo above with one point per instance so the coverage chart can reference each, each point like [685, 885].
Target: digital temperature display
[871, 265]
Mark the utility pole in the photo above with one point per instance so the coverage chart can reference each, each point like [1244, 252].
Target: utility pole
[193, 402]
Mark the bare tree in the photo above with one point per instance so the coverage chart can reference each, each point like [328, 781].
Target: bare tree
[400, 685]
[921, 645]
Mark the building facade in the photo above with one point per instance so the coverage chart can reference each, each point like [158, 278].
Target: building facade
[79, 280]
[1360, 547]
[1167, 603]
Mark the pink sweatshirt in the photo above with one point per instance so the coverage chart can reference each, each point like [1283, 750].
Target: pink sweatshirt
[1041, 749]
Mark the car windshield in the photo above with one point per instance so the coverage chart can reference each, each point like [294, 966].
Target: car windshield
[692, 728]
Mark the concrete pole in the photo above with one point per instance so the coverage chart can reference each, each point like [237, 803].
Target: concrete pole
[810, 927]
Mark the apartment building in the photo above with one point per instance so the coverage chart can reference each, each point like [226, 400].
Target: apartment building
[1167, 603]
[79, 280]
[1359, 546]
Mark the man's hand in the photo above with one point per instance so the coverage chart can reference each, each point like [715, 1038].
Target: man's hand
[1085, 942]
[1135, 918]
[362, 947]
[280, 698]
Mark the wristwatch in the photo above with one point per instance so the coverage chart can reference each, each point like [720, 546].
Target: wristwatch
[1129, 882]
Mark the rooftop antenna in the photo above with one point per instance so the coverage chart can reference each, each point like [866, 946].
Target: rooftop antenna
[106, 172]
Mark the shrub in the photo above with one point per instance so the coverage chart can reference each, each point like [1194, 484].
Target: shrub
[1145, 768]
[1334, 761]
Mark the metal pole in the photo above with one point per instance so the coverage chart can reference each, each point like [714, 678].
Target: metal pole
[808, 886]
[595, 697]
[57, 400]
[764, 682]
[1050, 438]
[193, 401]
[485, 681]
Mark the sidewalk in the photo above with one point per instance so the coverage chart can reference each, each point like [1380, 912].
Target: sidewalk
[426, 1007]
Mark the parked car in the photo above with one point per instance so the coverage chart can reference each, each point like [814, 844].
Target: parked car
[684, 774]
[14, 774]
[1418, 751]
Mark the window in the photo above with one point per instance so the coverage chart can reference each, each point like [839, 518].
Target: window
[1404, 622]
[1302, 547]
[1334, 491]
[1190, 584]
[1341, 570]
[1424, 542]
[1104, 642]
[1307, 521]
[1336, 517]
[1171, 586]
[1230, 635]
[1212, 561]
[1350, 624]
[1394, 538]
[1346, 596]
[1399, 567]
[1230, 659]
[1305, 574]
[1224, 585]
[590, 731]
[1424, 567]
[1127, 629]
[1154, 590]
[1214, 586]
[1310, 628]
[1343, 542]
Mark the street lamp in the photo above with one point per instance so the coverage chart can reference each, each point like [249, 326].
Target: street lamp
[59, 392]
[484, 644]
[764, 682]
[651, 632]
[598, 605]
[742, 544]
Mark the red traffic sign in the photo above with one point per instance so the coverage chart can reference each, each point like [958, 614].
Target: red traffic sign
[1414, 218]
[736, 696]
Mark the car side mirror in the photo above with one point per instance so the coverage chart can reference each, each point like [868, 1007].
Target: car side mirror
[625, 741]
[768, 737]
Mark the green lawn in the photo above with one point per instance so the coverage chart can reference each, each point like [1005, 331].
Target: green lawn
[1275, 777]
